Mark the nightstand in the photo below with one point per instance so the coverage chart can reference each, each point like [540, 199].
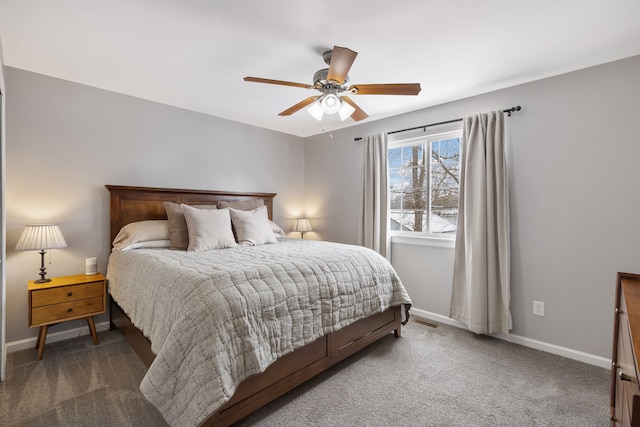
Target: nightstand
[66, 298]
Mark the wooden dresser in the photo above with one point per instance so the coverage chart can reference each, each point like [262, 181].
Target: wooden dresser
[625, 393]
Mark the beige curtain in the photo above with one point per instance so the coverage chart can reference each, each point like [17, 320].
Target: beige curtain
[374, 224]
[481, 289]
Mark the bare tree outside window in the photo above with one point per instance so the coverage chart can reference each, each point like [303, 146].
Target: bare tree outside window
[424, 184]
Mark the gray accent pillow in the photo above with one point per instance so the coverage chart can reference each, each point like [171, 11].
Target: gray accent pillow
[253, 227]
[178, 234]
[208, 229]
[243, 205]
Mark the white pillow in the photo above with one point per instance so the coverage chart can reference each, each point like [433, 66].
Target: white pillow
[149, 244]
[208, 229]
[253, 227]
[276, 228]
[131, 235]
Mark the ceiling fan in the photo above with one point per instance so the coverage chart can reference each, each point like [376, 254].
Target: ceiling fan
[332, 82]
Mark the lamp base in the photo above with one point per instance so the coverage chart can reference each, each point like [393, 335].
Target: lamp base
[43, 271]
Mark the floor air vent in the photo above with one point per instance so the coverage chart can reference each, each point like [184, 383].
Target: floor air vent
[425, 322]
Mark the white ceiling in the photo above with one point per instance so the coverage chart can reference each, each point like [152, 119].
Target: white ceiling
[194, 53]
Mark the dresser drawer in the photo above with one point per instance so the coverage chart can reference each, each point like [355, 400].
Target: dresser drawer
[70, 293]
[627, 375]
[67, 310]
[625, 362]
[625, 390]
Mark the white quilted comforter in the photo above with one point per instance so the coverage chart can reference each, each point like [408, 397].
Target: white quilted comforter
[214, 318]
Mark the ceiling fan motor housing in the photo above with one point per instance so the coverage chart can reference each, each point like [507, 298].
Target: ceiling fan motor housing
[320, 80]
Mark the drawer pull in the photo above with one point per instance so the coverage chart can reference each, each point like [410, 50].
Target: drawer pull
[69, 310]
[624, 377]
[69, 294]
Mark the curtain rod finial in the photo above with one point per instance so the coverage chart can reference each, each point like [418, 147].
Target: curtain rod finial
[511, 110]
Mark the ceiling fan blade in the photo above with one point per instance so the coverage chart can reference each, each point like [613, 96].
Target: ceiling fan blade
[357, 115]
[386, 89]
[299, 106]
[277, 82]
[341, 62]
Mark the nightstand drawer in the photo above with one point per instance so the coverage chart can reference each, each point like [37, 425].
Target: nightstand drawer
[66, 294]
[59, 312]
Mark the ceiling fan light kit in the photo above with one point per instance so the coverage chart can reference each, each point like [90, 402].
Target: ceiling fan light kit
[345, 111]
[330, 103]
[331, 82]
[316, 111]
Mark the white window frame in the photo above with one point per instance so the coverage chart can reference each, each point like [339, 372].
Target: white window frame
[426, 136]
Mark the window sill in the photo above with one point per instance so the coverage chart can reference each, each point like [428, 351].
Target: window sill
[430, 241]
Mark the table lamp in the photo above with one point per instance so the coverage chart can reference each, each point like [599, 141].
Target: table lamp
[40, 237]
[302, 225]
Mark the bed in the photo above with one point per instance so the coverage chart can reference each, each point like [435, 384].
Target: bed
[285, 357]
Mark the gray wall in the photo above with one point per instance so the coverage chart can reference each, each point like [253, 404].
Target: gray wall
[574, 191]
[574, 186]
[65, 141]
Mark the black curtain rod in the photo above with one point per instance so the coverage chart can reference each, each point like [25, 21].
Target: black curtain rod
[506, 110]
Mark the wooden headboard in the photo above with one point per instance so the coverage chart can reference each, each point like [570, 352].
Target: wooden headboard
[130, 204]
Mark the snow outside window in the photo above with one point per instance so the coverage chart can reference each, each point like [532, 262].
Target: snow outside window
[424, 183]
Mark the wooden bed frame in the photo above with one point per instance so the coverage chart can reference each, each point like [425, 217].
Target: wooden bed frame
[129, 204]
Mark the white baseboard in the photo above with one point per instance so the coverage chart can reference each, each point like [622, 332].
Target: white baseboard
[527, 342]
[55, 336]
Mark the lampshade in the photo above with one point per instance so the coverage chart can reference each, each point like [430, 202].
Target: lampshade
[316, 111]
[40, 237]
[330, 104]
[346, 110]
[302, 225]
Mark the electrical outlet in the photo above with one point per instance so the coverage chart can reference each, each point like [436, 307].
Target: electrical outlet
[538, 308]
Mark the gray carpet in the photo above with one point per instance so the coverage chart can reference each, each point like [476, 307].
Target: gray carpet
[440, 376]
[76, 384]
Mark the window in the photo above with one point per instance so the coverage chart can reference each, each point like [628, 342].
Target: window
[424, 183]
